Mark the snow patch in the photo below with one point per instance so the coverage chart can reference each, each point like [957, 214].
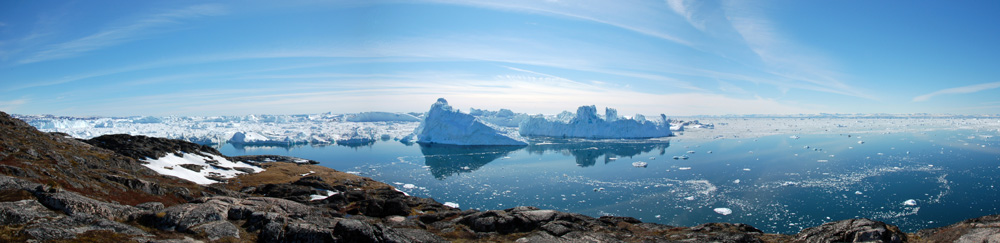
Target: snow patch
[212, 166]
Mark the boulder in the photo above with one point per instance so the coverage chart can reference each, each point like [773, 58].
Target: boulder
[852, 230]
[982, 229]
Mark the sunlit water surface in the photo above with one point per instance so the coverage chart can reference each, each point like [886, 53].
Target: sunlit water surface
[779, 184]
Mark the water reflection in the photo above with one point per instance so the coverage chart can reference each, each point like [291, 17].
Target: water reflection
[587, 151]
[448, 160]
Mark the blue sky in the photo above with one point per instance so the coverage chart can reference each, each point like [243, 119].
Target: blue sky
[678, 57]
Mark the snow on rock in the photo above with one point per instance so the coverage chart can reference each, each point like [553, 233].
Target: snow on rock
[380, 117]
[197, 168]
[443, 125]
[586, 124]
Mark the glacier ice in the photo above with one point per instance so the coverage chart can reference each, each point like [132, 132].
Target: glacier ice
[586, 124]
[380, 117]
[444, 125]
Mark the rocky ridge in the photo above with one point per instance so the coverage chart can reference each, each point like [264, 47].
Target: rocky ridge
[56, 189]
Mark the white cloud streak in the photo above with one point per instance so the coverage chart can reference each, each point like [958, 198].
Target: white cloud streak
[122, 33]
[958, 90]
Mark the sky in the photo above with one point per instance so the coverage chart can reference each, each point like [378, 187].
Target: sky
[675, 57]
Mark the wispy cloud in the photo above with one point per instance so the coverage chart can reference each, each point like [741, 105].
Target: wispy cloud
[782, 57]
[636, 19]
[121, 33]
[11, 105]
[958, 90]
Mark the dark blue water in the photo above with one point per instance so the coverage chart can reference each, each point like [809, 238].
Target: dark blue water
[773, 183]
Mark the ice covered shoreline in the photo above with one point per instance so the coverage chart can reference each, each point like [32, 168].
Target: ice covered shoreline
[330, 129]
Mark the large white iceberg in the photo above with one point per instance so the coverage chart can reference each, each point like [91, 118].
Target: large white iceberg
[586, 124]
[444, 125]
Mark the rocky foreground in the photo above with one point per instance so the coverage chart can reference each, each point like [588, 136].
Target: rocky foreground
[58, 189]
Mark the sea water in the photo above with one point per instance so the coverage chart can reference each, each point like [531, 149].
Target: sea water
[779, 184]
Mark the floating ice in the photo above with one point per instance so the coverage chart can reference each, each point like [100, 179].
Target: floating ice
[409, 186]
[723, 211]
[737, 181]
[794, 137]
[861, 142]
[451, 204]
[822, 161]
[586, 124]
[444, 125]
[690, 151]
[910, 202]
[857, 193]
[639, 164]
[684, 168]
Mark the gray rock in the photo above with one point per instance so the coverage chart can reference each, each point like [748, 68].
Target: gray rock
[150, 206]
[539, 237]
[493, 221]
[418, 235]
[137, 184]
[72, 203]
[982, 229]
[217, 230]
[349, 230]
[185, 216]
[558, 228]
[852, 230]
[71, 226]
[23, 212]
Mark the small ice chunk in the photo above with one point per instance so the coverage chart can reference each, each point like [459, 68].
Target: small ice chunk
[861, 142]
[690, 151]
[639, 164]
[689, 198]
[451, 204]
[910, 202]
[409, 186]
[684, 168]
[857, 193]
[737, 181]
[723, 211]
[746, 169]
[822, 161]
[794, 137]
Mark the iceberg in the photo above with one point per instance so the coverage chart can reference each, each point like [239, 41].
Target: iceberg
[443, 125]
[586, 124]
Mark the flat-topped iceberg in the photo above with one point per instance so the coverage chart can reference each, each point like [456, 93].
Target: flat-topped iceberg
[586, 124]
[444, 125]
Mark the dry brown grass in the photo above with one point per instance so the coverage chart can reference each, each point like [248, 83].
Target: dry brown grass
[282, 172]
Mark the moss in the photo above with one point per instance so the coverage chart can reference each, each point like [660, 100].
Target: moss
[15, 195]
[98, 236]
[13, 233]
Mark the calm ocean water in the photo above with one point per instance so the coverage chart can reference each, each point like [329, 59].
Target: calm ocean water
[779, 184]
